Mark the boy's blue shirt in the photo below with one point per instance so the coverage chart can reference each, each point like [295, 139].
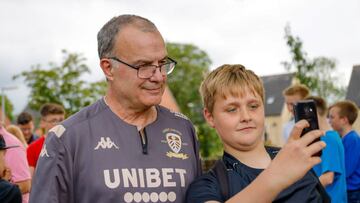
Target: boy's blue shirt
[207, 187]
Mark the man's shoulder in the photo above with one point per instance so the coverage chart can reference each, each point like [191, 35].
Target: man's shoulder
[172, 114]
[36, 143]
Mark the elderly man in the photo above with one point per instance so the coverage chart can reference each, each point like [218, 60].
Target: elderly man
[125, 147]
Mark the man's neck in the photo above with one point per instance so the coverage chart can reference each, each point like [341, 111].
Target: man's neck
[134, 116]
[324, 124]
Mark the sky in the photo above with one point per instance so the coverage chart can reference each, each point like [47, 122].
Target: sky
[247, 32]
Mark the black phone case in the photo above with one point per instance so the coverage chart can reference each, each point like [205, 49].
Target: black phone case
[306, 109]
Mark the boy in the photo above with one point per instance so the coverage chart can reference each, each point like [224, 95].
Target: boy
[331, 170]
[342, 116]
[26, 124]
[9, 193]
[234, 105]
[293, 94]
[51, 115]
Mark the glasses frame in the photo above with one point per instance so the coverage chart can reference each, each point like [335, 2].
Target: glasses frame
[138, 67]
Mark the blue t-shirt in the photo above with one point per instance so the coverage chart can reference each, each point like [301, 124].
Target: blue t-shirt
[207, 187]
[333, 160]
[351, 142]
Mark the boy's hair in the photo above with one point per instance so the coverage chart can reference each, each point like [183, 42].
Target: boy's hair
[24, 118]
[51, 109]
[231, 79]
[297, 89]
[347, 109]
[321, 106]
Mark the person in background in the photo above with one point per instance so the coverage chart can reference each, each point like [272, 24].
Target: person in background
[293, 94]
[9, 193]
[331, 170]
[16, 131]
[342, 116]
[15, 160]
[51, 115]
[26, 124]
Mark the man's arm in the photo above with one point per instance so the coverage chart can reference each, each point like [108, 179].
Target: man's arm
[327, 178]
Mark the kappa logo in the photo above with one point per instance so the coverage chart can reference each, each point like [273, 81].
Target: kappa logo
[44, 152]
[105, 143]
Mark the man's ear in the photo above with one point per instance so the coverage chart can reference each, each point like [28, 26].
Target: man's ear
[209, 117]
[107, 68]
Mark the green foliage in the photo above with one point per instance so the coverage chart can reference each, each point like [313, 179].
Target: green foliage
[9, 108]
[184, 83]
[316, 73]
[62, 84]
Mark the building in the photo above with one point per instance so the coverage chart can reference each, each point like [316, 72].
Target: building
[353, 92]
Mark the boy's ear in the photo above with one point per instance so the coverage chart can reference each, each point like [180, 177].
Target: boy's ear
[106, 67]
[209, 117]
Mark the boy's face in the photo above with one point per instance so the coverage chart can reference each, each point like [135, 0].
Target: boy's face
[335, 120]
[27, 129]
[2, 162]
[51, 120]
[290, 101]
[239, 120]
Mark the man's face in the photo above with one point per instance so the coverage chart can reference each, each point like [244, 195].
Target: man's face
[27, 130]
[2, 161]
[335, 120]
[138, 48]
[290, 101]
[239, 120]
[51, 120]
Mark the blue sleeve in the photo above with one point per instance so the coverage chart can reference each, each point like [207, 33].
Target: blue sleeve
[331, 158]
[352, 153]
[204, 188]
[53, 175]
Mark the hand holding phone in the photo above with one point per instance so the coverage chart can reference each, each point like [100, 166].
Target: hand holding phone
[306, 109]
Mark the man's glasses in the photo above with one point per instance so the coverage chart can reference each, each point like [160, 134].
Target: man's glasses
[53, 121]
[148, 70]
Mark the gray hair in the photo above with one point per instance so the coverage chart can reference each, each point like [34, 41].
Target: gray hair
[107, 35]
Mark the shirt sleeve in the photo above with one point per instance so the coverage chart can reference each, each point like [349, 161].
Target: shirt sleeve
[352, 154]
[16, 161]
[331, 160]
[204, 188]
[52, 181]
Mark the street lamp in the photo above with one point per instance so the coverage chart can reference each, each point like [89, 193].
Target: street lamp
[3, 89]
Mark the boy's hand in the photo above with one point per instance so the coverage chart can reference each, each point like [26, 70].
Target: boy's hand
[296, 158]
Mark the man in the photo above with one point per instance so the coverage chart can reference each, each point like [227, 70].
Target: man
[9, 193]
[293, 94]
[342, 116]
[26, 124]
[15, 160]
[331, 170]
[51, 115]
[123, 148]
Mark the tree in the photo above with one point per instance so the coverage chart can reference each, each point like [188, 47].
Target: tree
[62, 84]
[9, 108]
[184, 83]
[316, 73]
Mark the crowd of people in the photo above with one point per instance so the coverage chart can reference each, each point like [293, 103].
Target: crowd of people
[127, 148]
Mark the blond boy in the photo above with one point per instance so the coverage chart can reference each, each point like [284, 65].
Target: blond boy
[234, 105]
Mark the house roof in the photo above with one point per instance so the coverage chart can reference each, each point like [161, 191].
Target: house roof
[353, 92]
[274, 86]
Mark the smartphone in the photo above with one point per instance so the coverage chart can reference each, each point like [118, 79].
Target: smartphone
[306, 109]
